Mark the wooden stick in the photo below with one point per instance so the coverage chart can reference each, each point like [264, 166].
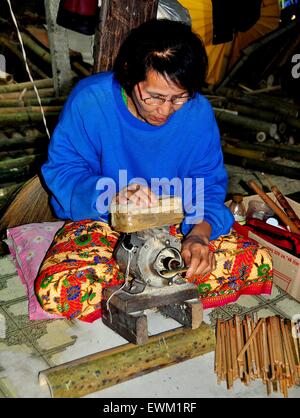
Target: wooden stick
[287, 357]
[265, 349]
[255, 345]
[228, 356]
[286, 206]
[290, 353]
[271, 373]
[224, 357]
[248, 352]
[218, 351]
[235, 367]
[239, 345]
[250, 339]
[279, 212]
[251, 348]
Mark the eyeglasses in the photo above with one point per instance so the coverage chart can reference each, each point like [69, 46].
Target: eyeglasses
[157, 101]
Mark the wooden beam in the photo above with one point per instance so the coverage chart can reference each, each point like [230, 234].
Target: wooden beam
[152, 297]
[117, 18]
[188, 314]
[58, 41]
[97, 371]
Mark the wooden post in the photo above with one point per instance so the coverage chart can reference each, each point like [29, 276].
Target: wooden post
[61, 66]
[117, 18]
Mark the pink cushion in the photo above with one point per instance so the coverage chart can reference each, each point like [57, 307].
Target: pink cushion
[28, 245]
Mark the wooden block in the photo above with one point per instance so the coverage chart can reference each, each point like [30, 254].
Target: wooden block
[188, 314]
[152, 297]
[133, 326]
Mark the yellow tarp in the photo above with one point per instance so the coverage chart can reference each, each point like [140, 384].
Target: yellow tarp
[223, 56]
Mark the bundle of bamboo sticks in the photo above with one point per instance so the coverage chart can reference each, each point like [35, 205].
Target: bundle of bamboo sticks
[252, 349]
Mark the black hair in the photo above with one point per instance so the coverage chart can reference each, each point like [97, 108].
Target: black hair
[168, 47]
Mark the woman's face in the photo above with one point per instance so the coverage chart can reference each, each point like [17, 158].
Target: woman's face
[156, 86]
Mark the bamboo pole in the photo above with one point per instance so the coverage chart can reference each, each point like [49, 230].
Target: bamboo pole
[256, 155]
[284, 218]
[104, 369]
[44, 83]
[239, 345]
[268, 166]
[38, 50]
[224, 357]
[29, 110]
[24, 117]
[268, 103]
[46, 101]
[246, 122]
[286, 206]
[18, 54]
[267, 115]
[255, 347]
[19, 162]
[23, 142]
[291, 371]
[249, 374]
[229, 356]
[233, 342]
[5, 77]
[265, 90]
[218, 352]
[290, 152]
[26, 94]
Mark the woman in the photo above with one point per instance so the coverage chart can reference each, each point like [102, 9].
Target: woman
[120, 136]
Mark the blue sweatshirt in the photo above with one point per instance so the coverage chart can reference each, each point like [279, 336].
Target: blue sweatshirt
[97, 139]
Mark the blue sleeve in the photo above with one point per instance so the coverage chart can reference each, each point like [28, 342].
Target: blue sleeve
[210, 183]
[73, 167]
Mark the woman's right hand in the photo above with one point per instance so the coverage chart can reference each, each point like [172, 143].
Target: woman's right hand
[140, 196]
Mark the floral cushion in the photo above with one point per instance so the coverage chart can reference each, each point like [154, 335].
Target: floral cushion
[28, 245]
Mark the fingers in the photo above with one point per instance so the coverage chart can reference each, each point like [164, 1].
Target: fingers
[140, 196]
[199, 259]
